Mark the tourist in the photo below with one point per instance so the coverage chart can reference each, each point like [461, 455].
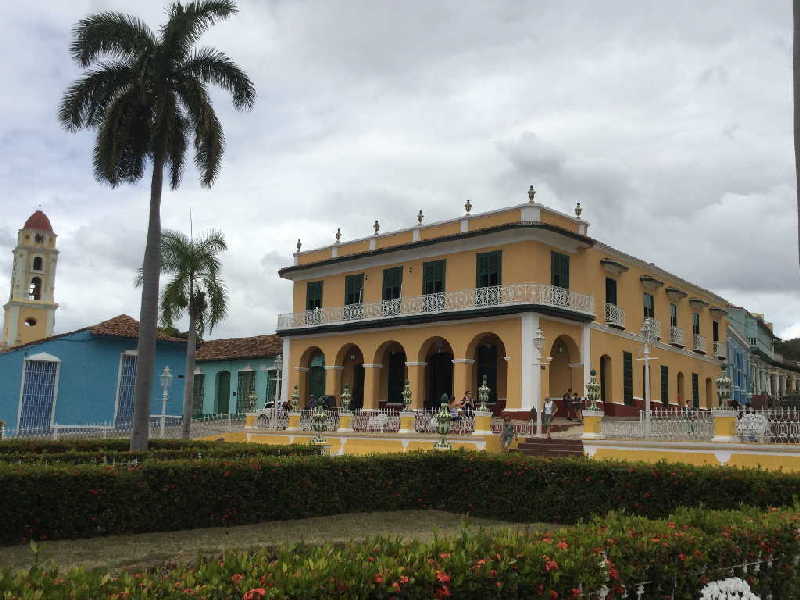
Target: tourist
[566, 398]
[507, 435]
[467, 404]
[577, 402]
[548, 412]
[455, 406]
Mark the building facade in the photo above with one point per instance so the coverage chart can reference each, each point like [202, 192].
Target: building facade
[521, 296]
[84, 377]
[29, 314]
[739, 366]
[231, 375]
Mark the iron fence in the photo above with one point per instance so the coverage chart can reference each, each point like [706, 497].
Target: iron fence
[425, 422]
[663, 424]
[772, 426]
[385, 420]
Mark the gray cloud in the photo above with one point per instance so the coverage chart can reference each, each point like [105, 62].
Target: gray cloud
[670, 123]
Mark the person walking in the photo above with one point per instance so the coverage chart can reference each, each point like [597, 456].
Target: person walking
[566, 399]
[548, 412]
[508, 434]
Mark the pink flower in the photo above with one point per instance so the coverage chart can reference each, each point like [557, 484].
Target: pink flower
[236, 578]
[255, 594]
[442, 577]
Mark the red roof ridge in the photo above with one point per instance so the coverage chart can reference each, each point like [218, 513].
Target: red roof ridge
[39, 220]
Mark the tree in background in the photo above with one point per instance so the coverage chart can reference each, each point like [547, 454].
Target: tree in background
[147, 96]
[196, 287]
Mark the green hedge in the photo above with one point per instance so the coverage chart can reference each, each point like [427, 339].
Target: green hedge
[231, 451]
[65, 501]
[676, 557]
[119, 444]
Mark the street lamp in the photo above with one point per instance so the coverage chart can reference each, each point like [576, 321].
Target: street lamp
[538, 342]
[593, 390]
[166, 380]
[483, 396]
[723, 388]
[346, 396]
[649, 333]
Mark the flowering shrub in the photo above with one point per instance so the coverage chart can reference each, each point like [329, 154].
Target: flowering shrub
[677, 556]
[69, 501]
[119, 444]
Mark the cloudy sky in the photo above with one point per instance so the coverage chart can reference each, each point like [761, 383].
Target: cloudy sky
[669, 121]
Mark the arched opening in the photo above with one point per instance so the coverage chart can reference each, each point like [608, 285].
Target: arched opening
[605, 378]
[35, 289]
[681, 392]
[438, 355]
[223, 392]
[488, 352]
[312, 374]
[351, 359]
[30, 322]
[564, 376]
[37, 263]
[709, 393]
[394, 373]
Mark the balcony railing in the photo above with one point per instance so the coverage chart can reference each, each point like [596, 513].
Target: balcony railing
[676, 336]
[720, 350]
[443, 302]
[699, 343]
[615, 315]
[654, 325]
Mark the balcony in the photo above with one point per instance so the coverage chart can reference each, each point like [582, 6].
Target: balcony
[720, 350]
[615, 316]
[676, 336]
[654, 326]
[699, 344]
[443, 303]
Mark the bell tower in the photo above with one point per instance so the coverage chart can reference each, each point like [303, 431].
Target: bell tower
[30, 310]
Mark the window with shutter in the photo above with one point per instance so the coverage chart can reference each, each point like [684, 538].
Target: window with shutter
[559, 270]
[611, 291]
[649, 306]
[392, 282]
[664, 385]
[433, 282]
[354, 289]
[696, 323]
[695, 391]
[313, 295]
[487, 267]
[673, 314]
[627, 377]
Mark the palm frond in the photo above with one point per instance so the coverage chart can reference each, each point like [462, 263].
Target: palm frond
[174, 301]
[187, 22]
[217, 301]
[176, 148]
[85, 101]
[110, 34]
[122, 140]
[212, 66]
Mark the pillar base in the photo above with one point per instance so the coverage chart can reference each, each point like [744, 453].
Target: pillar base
[483, 423]
[724, 425]
[592, 425]
[407, 418]
[294, 422]
[345, 422]
[250, 420]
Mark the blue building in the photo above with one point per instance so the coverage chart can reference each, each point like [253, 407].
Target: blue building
[739, 366]
[84, 377]
[232, 373]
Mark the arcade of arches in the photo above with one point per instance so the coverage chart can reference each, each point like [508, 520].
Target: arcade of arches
[451, 358]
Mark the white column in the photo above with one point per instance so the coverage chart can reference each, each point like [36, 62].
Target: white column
[530, 388]
[586, 355]
[287, 359]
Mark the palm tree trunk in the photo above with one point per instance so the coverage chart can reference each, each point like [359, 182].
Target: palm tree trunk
[188, 388]
[796, 89]
[148, 314]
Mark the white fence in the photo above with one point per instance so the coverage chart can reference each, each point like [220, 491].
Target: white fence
[386, 420]
[425, 422]
[663, 424]
[521, 428]
[171, 429]
[772, 426]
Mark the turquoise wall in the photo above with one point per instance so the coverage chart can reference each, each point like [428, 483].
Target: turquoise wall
[210, 369]
[87, 379]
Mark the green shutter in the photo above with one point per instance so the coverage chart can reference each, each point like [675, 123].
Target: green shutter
[664, 385]
[559, 270]
[487, 269]
[611, 291]
[313, 295]
[392, 283]
[627, 377]
[353, 289]
[695, 391]
[433, 277]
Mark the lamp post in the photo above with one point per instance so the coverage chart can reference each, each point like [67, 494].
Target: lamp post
[593, 390]
[538, 342]
[483, 396]
[443, 418]
[166, 380]
[407, 395]
[649, 333]
[346, 396]
[723, 388]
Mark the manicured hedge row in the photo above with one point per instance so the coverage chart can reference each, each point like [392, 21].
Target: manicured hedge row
[59, 501]
[676, 557]
[104, 457]
[119, 444]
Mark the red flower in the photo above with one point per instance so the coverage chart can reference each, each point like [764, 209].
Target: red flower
[550, 565]
[562, 545]
[444, 555]
[682, 556]
[442, 577]
[378, 578]
[553, 594]
[443, 592]
[255, 594]
[236, 578]
[94, 492]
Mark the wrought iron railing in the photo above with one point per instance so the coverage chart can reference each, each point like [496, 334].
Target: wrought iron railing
[615, 315]
[386, 420]
[521, 428]
[699, 343]
[425, 422]
[663, 424]
[273, 419]
[444, 302]
[676, 336]
[720, 350]
[773, 426]
[654, 325]
[331, 420]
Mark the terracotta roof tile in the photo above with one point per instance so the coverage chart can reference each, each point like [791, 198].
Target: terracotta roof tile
[127, 327]
[38, 220]
[259, 346]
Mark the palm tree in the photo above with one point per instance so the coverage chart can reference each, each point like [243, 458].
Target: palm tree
[147, 96]
[796, 94]
[197, 288]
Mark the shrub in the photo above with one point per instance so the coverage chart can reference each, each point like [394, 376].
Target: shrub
[68, 501]
[675, 557]
[119, 444]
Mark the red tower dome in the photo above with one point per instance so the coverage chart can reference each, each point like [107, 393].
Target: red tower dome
[39, 220]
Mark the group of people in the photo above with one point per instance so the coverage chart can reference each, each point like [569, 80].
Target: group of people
[465, 406]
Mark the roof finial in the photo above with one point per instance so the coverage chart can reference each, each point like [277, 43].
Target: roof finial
[419, 217]
[531, 194]
[578, 210]
[298, 245]
[376, 226]
[468, 206]
[338, 234]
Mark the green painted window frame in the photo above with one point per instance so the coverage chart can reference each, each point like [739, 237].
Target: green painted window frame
[649, 305]
[665, 385]
[392, 283]
[696, 323]
[673, 314]
[353, 289]
[611, 291]
[695, 391]
[559, 269]
[434, 275]
[313, 295]
[488, 269]
[627, 377]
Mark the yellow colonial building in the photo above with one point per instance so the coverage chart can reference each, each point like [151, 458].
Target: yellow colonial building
[521, 295]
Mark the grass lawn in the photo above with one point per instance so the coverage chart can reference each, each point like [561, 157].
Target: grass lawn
[152, 549]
